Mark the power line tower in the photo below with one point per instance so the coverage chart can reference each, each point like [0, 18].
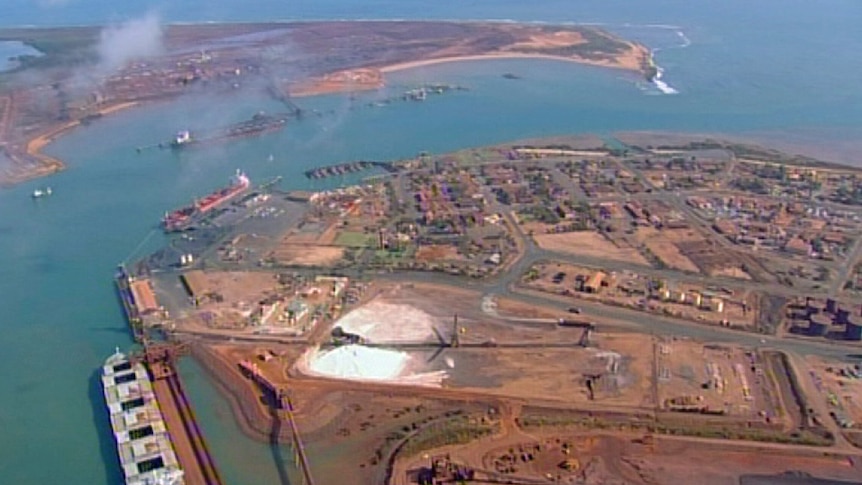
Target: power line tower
[456, 339]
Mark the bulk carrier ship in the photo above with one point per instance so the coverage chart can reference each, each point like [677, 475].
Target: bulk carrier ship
[184, 217]
[259, 124]
[146, 454]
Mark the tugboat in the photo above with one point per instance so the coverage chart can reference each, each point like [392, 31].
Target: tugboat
[39, 193]
[183, 138]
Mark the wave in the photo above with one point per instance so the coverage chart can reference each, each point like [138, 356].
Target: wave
[685, 40]
[661, 85]
[662, 26]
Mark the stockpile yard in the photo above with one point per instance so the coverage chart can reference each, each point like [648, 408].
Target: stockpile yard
[714, 379]
[379, 323]
[360, 363]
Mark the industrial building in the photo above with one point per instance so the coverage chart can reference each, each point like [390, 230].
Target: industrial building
[145, 299]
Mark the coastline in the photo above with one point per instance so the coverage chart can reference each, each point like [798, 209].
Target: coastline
[634, 60]
[403, 66]
[47, 164]
[638, 59]
[252, 419]
[516, 41]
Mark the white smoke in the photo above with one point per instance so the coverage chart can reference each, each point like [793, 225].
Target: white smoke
[133, 40]
[118, 45]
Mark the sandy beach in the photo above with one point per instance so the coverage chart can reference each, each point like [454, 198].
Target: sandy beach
[350, 80]
[631, 62]
[370, 79]
[46, 164]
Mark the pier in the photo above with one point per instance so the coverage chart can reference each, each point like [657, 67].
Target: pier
[186, 437]
[347, 167]
[300, 457]
[280, 409]
[123, 281]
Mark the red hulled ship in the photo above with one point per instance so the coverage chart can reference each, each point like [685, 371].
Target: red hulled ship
[183, 217]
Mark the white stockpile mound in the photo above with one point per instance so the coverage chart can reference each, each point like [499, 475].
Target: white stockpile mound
[378, 322]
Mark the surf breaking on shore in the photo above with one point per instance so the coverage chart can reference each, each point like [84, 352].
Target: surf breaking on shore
[661, 85]
[657, 80]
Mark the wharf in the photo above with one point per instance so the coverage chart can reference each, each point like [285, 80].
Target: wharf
[123, 281]
[347, 167]
[186, 437]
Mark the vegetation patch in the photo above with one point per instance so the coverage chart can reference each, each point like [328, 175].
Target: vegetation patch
[352, 239]
[452, 431]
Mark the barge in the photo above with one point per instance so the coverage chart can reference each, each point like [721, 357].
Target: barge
[146, 454]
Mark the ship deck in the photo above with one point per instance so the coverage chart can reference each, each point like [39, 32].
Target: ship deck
[143, 444]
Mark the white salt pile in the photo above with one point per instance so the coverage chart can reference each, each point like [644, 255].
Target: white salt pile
[360, 363]
[380, 322]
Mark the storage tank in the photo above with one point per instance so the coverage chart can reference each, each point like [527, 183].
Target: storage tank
[817, 329]
[853, 332]
[842, 317]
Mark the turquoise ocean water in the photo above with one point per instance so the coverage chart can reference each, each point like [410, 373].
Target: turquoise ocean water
[784, 69]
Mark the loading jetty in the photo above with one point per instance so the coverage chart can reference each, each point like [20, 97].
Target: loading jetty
[281, 410]
[123, 281]
[346, 168]
[421, 93]
[259, 124]
[188, 441]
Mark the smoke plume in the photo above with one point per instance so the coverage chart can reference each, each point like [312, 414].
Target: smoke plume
[132, 40]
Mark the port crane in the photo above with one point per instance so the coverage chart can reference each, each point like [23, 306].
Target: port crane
[282, 95]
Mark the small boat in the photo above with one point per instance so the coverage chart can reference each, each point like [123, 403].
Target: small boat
[39, 193]
[183, 138]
